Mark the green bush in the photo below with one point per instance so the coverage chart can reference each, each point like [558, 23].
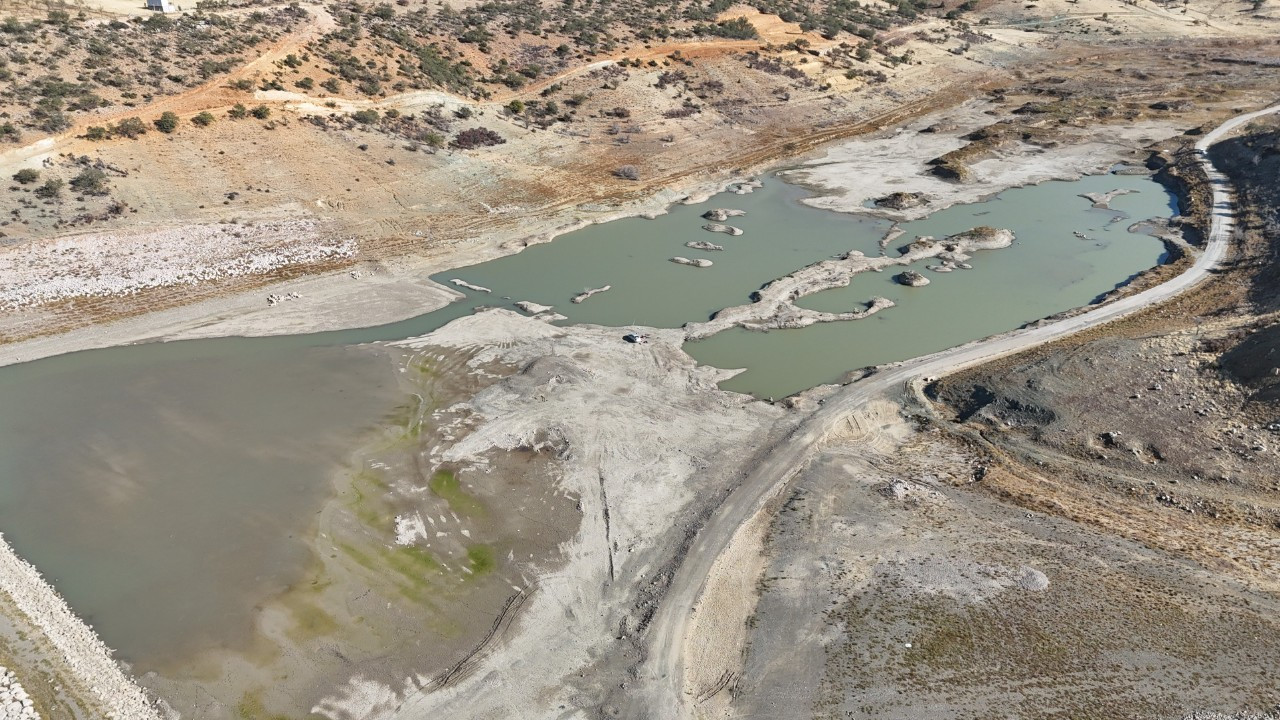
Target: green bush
[130, 127]
[204, 119]
[26, 176]
[50, 189]
[167, 122]
[365, 117]
[90, 181]
[262, 112]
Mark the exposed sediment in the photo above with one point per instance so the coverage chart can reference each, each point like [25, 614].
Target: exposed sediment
[703, 245]
[577, 299]
[694, 262]
[774, 307]
[720, 228]
[86, 656]
[533, 308]
[469, 286]
[1102, 201]
[722, 214]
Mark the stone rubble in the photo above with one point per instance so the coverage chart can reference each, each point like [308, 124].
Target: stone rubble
[15, 704]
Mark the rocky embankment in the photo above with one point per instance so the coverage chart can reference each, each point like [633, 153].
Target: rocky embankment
[87, 658]
[774, 305]
[119, 265]
[15, 704]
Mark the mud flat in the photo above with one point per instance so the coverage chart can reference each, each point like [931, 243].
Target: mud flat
[644, 441]
[851, 176]
[774, 305]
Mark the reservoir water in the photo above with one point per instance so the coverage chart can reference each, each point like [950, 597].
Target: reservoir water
[167, 489]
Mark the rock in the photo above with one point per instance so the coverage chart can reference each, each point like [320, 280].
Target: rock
[703, 245]
[911, 278]
[902, 200]
[726, 229]
[722, 214]
[696, 262]
[588, 293]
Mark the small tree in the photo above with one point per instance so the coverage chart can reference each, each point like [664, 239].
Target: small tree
[130, 127]
[167, 122]
[237, 111]
[50, 190]
[628, 172]
[91, 181]
[262, 112]
[204, 119]
[26, 176]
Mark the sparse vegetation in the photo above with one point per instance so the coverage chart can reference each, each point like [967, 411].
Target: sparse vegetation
[26, 176]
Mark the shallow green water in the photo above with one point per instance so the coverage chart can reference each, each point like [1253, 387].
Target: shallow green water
[158, 486]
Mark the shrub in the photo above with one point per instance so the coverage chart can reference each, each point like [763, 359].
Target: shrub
[262, 112]
[305, 83]
[365, 117]
[237, 111]
[332, 85]
[167, 122]
[515, 107]
[90, 181]
[627, 172]
[26, 176]
[476, 137]
[51, 189]
[96, 132]
[130, 127]
[204, 119]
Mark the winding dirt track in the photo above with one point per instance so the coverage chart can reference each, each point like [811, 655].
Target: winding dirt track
[663, 672]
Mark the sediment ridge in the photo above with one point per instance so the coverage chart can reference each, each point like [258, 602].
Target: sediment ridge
[774, 307]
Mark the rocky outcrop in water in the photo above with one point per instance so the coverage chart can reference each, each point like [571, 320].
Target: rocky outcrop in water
[911, 278]
[703, 245]
[745, 187]
[774, 305]
[588, 293]
[722, 214]
[695, 262]
[726, 229]
[902, 200]
[469, 286]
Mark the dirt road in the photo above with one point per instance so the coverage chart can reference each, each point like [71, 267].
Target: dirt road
[662, 677]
